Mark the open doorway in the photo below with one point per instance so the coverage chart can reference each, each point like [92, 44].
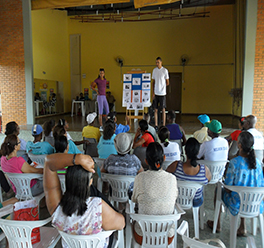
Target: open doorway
[174, 92]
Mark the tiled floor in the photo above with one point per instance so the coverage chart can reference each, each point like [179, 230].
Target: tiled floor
[189, 124]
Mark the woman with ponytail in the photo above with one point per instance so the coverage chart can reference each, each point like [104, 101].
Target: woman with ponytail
[155, 191]
[243, 170]
[191, 170]
[171, 149]
[13, 164]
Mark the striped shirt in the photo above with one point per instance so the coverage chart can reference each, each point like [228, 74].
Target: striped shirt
[200, 177]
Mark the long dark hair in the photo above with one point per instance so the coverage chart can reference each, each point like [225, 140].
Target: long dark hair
[164, 135]
[61, 122]
[77, 191]
[192, 148]
[11, 127]
[155, 156]
[58, 131]
[109, 129]
[9, 144]
[47, 127]
[246, 140]
[61, 144]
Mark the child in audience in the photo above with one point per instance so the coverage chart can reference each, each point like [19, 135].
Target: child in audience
[91, 131]
[191, 170]
[106, 144]
[146, 137]
[37, 147]
[155, 190]
[13, 164]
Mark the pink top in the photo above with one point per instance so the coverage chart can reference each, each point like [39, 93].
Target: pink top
[101, 85]
[14, 165]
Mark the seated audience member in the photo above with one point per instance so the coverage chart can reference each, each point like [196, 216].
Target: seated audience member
[13, 164]
[77, 211]
[119, 127]
[234, 136]
[37, 147]
[111, 100]
[63, 123]
[59, 131]
[155, 190]
[202, 134]
[217, 148]
[176, 131]
[106, 144]
[244, 170]
[48, 127]
[91, 131]
[171, 149]
[191, 170]
[123, 163]
[151, 129]
[37, 97]
[146, 137]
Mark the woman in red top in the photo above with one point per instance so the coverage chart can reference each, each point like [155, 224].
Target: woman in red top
[146, 137]
[233, 136]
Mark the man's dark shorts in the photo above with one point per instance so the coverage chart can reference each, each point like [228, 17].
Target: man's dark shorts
[159, 101]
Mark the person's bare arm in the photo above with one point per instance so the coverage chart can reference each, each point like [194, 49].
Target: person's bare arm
[172, 167]
[111, 220]
[208, 173]
[184, 140]
[51, 182]
[26, 168]
[138, 143]
[93, 85]
[104, 170]
[128, 122]
[140, 170]
[81, 142]
[167, 82]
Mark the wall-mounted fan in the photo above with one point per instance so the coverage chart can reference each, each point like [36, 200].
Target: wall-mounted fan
[119, 60]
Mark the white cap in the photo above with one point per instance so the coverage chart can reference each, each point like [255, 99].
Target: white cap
[90, 118]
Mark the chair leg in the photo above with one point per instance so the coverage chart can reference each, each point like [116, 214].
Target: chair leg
[128, 232]
[202, 216]
[233, 230]
[261, 225]
[121, 238]
[196, 222]
[254, 226]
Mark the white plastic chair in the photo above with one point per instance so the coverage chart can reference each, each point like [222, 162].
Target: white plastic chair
[21, 182]
[18, 233]
[155, 229]
[250, 200]
[183, 230]
[62, 182]
[217, 169]
[85, 241]
[39, 159]
[186, 193]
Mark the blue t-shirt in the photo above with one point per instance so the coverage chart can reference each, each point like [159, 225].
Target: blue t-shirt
[39, 148]
[121, 128]
[238, 174]
[175, 131]
[73, 148]
[106, 147]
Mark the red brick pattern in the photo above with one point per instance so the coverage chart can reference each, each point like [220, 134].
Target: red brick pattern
[258, 97]
[12, 65]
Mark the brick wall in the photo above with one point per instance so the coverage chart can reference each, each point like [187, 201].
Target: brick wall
[12, 66]
[258, 98]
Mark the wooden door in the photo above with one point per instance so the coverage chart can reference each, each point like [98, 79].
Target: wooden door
[174, 92]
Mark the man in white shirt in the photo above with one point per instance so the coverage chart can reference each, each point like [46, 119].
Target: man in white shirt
[217, 148]
[160, 76]
[249, 125]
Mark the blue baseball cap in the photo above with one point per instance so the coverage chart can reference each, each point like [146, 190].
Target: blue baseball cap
[37, 129]
[203, 118]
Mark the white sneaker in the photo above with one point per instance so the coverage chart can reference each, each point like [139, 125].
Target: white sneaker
[101, 129]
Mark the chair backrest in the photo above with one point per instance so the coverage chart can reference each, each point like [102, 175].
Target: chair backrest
[91, 149]
[62, 182]
[259, 155]
[85, 241]
[119, 185]
[18, 233]
[140, 152]
[40, 159]
[49, 140]
[186, 193]
[217, 169]
[156, 228]
[250, 199]
[21, 182]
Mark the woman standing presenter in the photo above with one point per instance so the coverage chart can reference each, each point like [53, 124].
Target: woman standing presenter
[100, 82]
